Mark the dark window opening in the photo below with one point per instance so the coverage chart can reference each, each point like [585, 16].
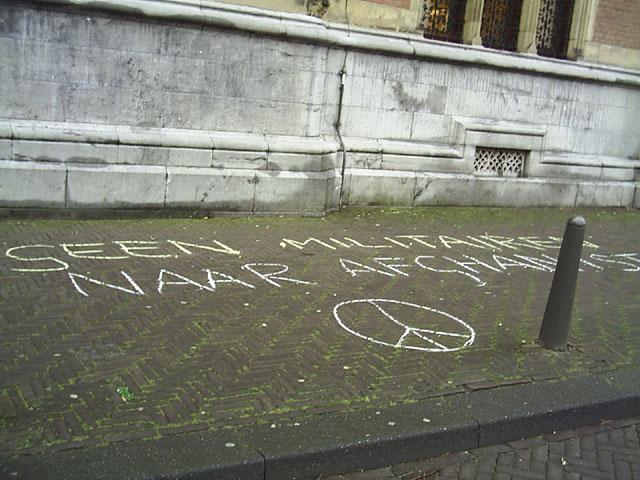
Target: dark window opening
[554, 24]
[444, 19]
[500, 24]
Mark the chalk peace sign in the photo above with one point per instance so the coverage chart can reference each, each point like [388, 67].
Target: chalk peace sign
[403, 325]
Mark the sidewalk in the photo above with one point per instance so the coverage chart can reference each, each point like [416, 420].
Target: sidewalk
[608, 450]
[297, 347]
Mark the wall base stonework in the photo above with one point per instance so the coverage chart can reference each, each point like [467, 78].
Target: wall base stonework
[410, 189]
[223, 108]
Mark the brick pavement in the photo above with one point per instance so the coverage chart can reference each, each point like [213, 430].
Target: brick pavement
[609, 450]
[139, 329]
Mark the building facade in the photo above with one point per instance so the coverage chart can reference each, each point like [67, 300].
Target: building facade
[309, 105]
[595, 31]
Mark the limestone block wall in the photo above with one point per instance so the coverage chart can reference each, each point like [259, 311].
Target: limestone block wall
[178, 104]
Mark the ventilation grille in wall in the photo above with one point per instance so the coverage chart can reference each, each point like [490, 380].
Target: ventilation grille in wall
[499, 162]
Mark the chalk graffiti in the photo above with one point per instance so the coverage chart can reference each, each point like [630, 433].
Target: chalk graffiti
[476, 269]
[135, 290]
[354, 268]
[626, 259]
[426, 254]
[447, 333]
[61, 265]
[419, 262]
[481, 242]
[120, 250]
[182, 280]
[270, 274]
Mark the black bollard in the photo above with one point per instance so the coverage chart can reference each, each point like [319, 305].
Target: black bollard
[557, 316]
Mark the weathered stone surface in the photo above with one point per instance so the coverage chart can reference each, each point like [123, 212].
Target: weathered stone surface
[600, 194]
[6, 149]
[421, 164]
[434, 189]
[163, 137]
[523, 192]
[332, 160]
[293, 144]
[575, 172]
[32, 129]
[67, 152]
[617, 174]
[239, 159]
[181, 157]
[379, 187]
[334, 190]
[239, 141]
[31, 184]
[5, 129]
[628, 194]
[365, 122]
[211, 188]
[431, 127]
[281, 191]
[116, 186]
[295, 162]
[367, 160]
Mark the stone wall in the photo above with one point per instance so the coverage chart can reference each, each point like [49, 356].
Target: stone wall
[147, 104]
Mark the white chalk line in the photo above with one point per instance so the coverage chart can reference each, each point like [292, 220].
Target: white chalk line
[419, 332]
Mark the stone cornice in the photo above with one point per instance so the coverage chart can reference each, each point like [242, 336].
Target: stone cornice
[313, 30]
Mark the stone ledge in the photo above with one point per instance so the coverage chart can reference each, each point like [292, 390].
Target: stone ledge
[359, 144]
[100, 186]
[590, 160]
[161, 137]
[513, 128]
[364, 187]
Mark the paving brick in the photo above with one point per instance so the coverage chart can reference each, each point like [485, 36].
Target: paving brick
[242, 373]
[534, 463]
[467, 471]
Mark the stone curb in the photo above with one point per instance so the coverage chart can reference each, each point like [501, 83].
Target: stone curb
[362, 439]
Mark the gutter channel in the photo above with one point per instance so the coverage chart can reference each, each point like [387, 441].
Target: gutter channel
[338, 125]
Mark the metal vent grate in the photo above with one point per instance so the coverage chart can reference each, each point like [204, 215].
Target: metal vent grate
[502, 162]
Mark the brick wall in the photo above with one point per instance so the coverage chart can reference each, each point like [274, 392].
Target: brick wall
[618, 23]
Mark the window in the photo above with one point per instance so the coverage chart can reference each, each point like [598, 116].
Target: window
[500, 24]
[444, 20]
[531, 26]
[554, 23]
